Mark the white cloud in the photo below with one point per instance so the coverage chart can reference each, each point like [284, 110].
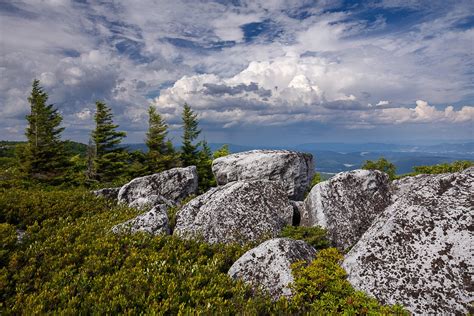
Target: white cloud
[85, 114]
[425, 113]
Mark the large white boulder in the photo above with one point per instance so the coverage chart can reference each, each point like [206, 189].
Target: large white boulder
[420, 250]
[154, 221]
[268, 265]
[237, 212]
[347, 204]
[171, 186]
[294, 169]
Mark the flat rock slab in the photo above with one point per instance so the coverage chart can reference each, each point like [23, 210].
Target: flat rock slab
[172, 185]
[347, 204]
[294, 169]
[154, 221]
[268, 265]
[420, 251]
[238, 212]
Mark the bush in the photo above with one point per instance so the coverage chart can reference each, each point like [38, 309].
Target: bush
[322, 288]
[315, 236]
[69, 262]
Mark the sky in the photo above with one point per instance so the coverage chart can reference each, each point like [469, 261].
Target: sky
[257, 72]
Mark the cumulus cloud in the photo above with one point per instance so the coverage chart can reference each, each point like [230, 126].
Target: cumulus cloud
[425, 113]
[248, 62]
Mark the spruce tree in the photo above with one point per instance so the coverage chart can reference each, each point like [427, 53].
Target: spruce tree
[44, 156]
[189, 151]
[161, 155]
[204, 168]
[110, 158]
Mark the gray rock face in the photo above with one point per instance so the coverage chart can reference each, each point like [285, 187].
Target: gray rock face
[347, 204]
[420, 251]
[268, 265]
[154, 222]
[108, 193]
[146, 203]
[236, 213]
[171, 185]
[294, 169]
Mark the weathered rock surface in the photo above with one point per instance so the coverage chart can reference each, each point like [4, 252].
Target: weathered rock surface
[108, 193]
[154, 221]
[148, 202]
[347, 204]
[420, 251]
[172, 185]
[236, 213]
[294, 169]
[268, 265]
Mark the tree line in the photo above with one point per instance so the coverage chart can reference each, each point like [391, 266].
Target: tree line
[44, 156]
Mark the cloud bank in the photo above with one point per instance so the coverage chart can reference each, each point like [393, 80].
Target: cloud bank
[244, 65]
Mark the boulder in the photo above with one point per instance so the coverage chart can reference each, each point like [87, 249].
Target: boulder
[154, 221]
[294, 169]
[108, 193]
[148, 202]
[237, 212]
[420, 250]
[171, 185]
[268, 265]
[347, 204]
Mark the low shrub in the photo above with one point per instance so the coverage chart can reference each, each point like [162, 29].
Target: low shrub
[315, 236]
[69, 262]
[322, 288]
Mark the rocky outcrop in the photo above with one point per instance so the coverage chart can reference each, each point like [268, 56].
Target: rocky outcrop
[420, 250]
[108, 193]
[237, 212]
[268, 265]
[347, 204]
[171, 185]
[154, 222]
[294, 169]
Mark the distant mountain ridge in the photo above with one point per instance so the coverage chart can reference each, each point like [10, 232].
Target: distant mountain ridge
[333, 157]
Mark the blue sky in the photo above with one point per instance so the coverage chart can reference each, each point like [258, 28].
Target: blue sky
[257, 72]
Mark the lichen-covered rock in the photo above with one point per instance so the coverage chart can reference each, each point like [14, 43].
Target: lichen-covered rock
[154, 221]
[108, 193]
[294, 169]
[420, 250]
[172, 185]
[148, 202]
[268, 265]
[236, 213]
[347, 204]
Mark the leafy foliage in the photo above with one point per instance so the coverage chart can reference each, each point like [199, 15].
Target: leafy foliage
[110, 158]
[314, 236]
[322, 288]
[455, 166]
[382, 165]
[222, 152]
[69, 262]
[43, 157]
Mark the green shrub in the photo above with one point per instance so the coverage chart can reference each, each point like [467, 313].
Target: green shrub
[322, 288]
[69, 262]
[315, 236]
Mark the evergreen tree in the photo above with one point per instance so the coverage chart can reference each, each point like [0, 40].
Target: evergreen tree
[204, 168]
[110, 158]
[44, 156]
[161, 154]
[189, 151]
